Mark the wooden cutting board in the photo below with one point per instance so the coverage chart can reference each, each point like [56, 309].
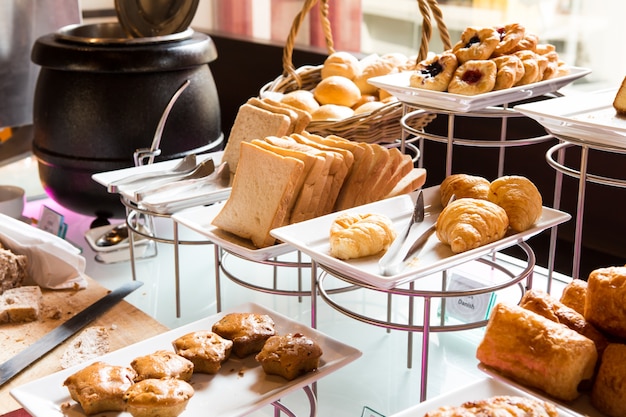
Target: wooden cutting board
[126, 325]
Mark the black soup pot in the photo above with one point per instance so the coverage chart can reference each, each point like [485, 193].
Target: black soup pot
[100, 96]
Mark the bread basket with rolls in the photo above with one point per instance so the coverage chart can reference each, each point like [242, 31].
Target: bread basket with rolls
[377, 122]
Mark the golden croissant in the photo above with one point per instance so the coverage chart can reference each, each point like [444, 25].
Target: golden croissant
[469, 223]
[357, 235]
[463, 185]
[519, 197]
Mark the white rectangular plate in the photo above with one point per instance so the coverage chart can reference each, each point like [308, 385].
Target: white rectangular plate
[479, 390]
[399, 85]
[582, 405]
[588, 117]
[239, 388]
[312, 238]
[199, 219]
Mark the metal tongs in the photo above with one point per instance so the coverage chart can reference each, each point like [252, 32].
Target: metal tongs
[408, 242]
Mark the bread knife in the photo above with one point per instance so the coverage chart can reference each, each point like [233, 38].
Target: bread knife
[52, 339]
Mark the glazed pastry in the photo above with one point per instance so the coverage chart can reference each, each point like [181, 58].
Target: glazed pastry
[247, 331]
[435, 73]
[167, 397]
[510, 71]
[476, 44]
[531, 67]
[462, 186]
[474, 77]
[520, 198]
[537, 352]
[358, 235]
[162, 364]
[100, 387]
[552, 69]
[289, 355]
[544, 48]
[574, 295]
[469, 223]
[501, 405]
[528, 43]
[207, 350]
[609, 388]
[604, 303]
[510, 37]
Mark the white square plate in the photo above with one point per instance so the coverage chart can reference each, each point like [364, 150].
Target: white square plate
[239, 388]
[589, 118]
[312, 238]
[479, 390]
[399, 85]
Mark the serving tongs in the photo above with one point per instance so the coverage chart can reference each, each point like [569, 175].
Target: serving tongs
[185, 166]
[412, 238]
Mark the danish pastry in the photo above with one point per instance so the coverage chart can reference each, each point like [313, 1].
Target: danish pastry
[528, 43]
[474, 77]
[531, 67]
[357, 235]
[435, 73]
[510, 71]
[510, 37]
[469, 223]
[520, 198]
[476, 44]
[462, 186]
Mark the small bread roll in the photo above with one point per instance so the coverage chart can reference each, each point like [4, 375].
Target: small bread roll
[167, 397]
[463, 186]
[337, 90]
[374, 69]
[341, 63]
[301, 99]
[359, 235]
[609, 388]
[520, 198]
[332, 112]
[469, 223]
[365, 98]
[369, 107]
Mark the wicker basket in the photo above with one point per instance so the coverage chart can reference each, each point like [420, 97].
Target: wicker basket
[379, 126]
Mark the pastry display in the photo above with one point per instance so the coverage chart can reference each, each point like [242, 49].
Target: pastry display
[469, 223]
[520, 198]
[609, 388]
[574, 295]
[537, 352]
[501, 405]
[604, 300]
[247, 331]
[205, 349]
[165, 397]
[490, 59]
[100, 387]
[619, 103]
[358, 235]
[162, 364]
[289, 355]
[462, 186]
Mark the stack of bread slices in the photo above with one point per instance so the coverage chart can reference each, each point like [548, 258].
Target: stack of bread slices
[286, 179]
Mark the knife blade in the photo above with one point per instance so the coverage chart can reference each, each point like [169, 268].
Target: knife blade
[50, 340]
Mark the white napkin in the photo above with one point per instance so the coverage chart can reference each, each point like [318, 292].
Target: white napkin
[52, 262]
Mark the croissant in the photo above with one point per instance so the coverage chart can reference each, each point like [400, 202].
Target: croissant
[519, 197]
[469, 223]
[357, 235]
[463, 185]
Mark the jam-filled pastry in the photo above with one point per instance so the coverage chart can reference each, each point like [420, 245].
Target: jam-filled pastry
[474, 77]
[435, 73]
[357, 235]
[520, 198]
[469, 223]
[463, 186]
[510, 37]
[476, 43]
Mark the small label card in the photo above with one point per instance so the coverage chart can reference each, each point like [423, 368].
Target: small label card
[52, 222]
[470, 308]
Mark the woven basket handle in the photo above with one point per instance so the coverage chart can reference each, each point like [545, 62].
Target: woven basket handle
[288, 68]
[430, 8]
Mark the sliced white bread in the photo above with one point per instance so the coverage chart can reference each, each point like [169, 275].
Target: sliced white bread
[304, 117]
[374, 171]
[409, 183]
[21, 304]
[91, 343]
[263, 194]
[252, 122]
[401, 165]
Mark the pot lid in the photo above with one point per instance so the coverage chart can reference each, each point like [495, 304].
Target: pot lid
[149, 18]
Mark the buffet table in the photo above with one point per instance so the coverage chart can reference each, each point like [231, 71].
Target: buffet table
[126, 324]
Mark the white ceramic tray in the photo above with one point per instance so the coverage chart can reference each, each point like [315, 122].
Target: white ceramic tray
[479, 390]
[312, 238]
[589, 118]
[199, 220]
[582, 405]
[172, 201]
[239, 388]
[399, 85]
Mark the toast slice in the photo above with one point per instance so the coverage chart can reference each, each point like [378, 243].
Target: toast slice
[415, 179]
[263, 194]
[399, 166]
[303, 117]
